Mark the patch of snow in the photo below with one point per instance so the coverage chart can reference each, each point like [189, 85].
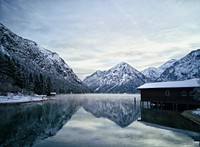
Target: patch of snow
[196, 112]
[174, 84]
[19, 98]
[3, 50]
[51, 55]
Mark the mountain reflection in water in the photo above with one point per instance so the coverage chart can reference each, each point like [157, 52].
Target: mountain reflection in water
[23, 125]
[27, 125]
[122, 112]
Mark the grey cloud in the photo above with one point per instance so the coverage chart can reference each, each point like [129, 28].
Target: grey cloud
[101, 33]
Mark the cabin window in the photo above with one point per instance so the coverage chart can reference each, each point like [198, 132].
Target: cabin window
[184, 93]
[193, 92]
[167, 93]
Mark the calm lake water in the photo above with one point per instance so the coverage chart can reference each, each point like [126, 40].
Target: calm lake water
[94, 120]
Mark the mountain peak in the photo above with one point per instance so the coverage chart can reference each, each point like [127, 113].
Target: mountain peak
[122, 78]
[195, 53]
[98, 72]
[1, 25]
[4, 29]
[122, 64]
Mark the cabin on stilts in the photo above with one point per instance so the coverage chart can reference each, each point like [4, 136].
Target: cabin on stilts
[174, 94]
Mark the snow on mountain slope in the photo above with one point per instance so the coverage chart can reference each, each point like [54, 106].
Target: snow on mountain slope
[166, 65]
[187, 67]
[153, 73]
[30, 51]
[34, 56]
[122, 78]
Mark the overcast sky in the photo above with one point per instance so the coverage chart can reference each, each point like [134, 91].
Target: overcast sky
[95, 35]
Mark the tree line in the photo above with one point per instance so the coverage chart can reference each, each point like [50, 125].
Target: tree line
[16, 75]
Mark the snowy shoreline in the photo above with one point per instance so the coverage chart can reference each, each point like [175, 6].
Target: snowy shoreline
[19, 98]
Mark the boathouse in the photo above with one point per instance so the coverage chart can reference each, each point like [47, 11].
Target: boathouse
[176, 92]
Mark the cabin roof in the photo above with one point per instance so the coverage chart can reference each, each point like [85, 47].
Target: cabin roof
[173, 84]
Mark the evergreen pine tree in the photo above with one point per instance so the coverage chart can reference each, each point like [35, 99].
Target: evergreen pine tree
[48, 90]
[30, 86]
[41, 84]
[37, 85]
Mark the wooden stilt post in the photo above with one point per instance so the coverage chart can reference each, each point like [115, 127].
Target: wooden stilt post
[141, 104]
[135, 103]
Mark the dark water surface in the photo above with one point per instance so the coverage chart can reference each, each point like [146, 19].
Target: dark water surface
[94, 120]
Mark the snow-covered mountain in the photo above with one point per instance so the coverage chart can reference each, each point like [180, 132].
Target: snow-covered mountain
[187, 67]
[122, 78]
[35, 58]
[153, 73]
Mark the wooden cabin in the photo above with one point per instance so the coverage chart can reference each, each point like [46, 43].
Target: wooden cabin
[53, 94]
[176, 92]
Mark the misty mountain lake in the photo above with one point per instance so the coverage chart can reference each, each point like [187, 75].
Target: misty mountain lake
[94, 120]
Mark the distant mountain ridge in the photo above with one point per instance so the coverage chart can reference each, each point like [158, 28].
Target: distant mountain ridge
[122, 78]
[108, 81]
[187, 67]
[154, 73]
[26, 59]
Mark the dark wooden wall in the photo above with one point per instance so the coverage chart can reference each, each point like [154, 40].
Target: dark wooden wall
[175, 96]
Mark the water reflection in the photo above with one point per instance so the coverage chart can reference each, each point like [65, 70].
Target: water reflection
[96, 128]
[169, 118]
[26, 125]
[122, 112]
[23, 125]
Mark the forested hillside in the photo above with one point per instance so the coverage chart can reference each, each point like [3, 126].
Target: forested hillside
[28, 68]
